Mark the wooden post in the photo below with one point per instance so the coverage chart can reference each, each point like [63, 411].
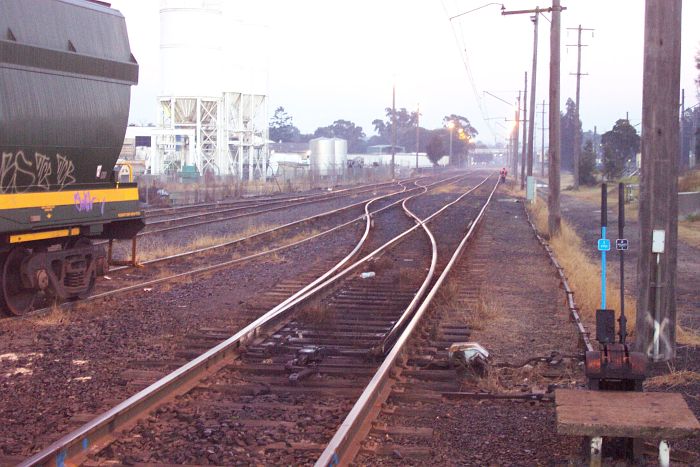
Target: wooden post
[554, 220]
[658, 200]
[544, 106]
[516, 139]
[533, 104]
[524, 156]
[577, 133]
[393, 131]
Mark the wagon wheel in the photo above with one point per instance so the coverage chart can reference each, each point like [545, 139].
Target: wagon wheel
[15, 298]
[81, 242]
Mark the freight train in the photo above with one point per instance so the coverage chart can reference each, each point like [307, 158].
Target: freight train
[66, 72]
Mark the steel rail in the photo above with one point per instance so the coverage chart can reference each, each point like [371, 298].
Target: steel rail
[157, 212]
[224, 219]
[400, 323]
[73, 447]
[290, 202]
[225, 264]
[343, 446]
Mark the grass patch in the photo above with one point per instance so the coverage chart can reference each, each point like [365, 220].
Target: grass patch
[673, 379]
[583, 275]
[315, 312]
[447, 189]
[55, 316]
[689, 231]
[476, 316]
[690, 181]
[151, 248]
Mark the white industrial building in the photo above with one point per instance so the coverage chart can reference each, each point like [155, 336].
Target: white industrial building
[214, 87]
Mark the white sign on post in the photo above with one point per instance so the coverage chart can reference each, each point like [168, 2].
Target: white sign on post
[658, 241]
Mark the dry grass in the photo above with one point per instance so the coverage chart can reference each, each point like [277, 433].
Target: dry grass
[687, 336]
[447, 189]
[673, 379]
[583, 275]
[315, 312]
[689, 232]
[154, 248]
[55, 316]
[689, 181]
[476, 317]
[410, 276]
[486, 310]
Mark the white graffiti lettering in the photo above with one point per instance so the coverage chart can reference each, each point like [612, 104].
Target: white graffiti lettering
[43, 170]
[20, 173]
[65, 171]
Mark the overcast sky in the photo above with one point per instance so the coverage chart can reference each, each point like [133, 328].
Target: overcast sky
[334, 59]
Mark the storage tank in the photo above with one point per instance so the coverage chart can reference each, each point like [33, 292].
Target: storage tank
[341, 155]
[191, 51]
[322, 156]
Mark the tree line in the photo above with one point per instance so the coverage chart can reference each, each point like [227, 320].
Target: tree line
[434, 142]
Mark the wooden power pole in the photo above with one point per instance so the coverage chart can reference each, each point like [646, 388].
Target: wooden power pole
[393, 132]
[525, 144]
[516, 139]
[544, 111]
[658, 200]
[533, 103]
[577, 117]
[554, 220]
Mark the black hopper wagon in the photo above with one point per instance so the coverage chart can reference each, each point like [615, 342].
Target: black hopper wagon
[66, 72]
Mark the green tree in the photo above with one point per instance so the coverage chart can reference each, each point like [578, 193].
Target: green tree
[620, 146]
[348, 131]
[569, 127]
[463, 134]
[282, 128]
[405, 128]
[435, 148]
[586, 166]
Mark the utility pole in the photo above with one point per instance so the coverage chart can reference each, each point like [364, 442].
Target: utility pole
[417, 133]
[554, 221]
[529, 140]
[533, 103]
[658, 197]
[393, 131]
[683, 146]
[516, 138]
[577, 132]
[595, 142]
[525, 143]
[544, 106]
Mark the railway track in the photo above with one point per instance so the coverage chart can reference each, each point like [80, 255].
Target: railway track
[225, 206]
[340, 321]
[223, 214]
[235, 252]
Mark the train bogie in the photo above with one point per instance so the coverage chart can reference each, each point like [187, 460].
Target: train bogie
[66, 72]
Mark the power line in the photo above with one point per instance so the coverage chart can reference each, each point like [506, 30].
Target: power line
[461, 45]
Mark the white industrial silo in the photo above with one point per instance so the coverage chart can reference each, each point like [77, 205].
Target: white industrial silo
[341, 155]
[245, 84]
[207, 67]
[322, 156]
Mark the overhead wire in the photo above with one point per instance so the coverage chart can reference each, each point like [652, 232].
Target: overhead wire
[462, 46]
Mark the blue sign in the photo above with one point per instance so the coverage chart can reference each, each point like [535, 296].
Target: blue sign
[603, 244]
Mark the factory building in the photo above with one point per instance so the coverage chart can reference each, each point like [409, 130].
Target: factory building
[214, 87]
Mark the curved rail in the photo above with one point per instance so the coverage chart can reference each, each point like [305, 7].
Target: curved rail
[77, 444]
[343, 445]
